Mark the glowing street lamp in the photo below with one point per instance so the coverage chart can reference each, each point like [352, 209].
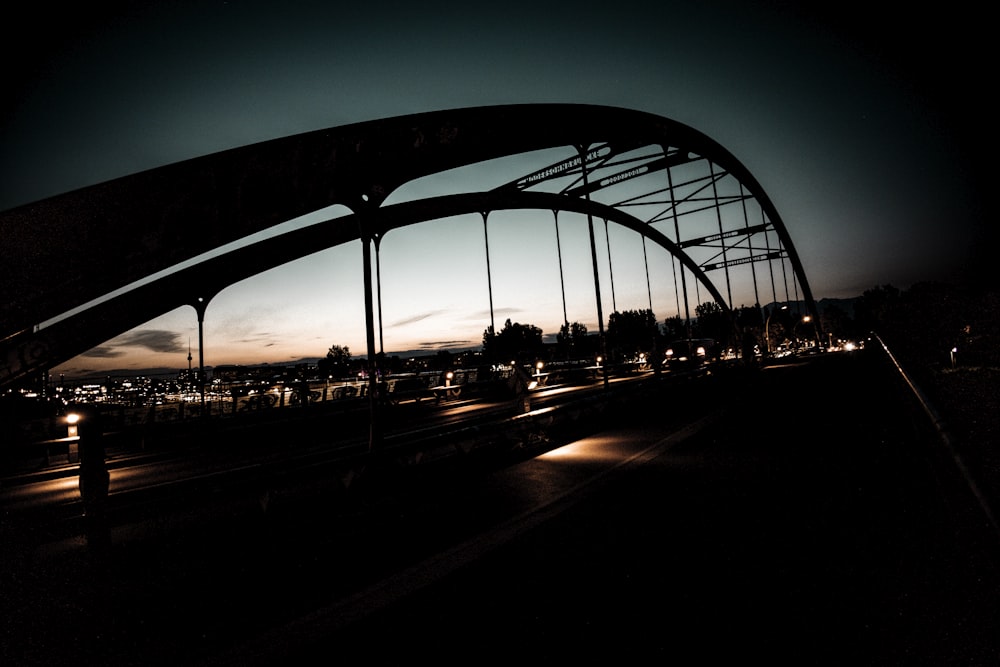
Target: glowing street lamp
[767, 324]
[72, 420]
[806, 319]
[73, 437]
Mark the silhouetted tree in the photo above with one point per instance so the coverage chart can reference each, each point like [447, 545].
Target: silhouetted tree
[713, 322]
[631, 332]
[875, 308]
[443, 360]
[337, 362]
[673, 328]
[750, 317]
[515, 342]
[573, 341]
[837, 324]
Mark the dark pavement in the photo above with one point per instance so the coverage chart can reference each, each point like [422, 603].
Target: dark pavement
[813, 519]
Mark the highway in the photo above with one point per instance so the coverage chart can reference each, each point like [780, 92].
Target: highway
[752, 516]
[277, 443]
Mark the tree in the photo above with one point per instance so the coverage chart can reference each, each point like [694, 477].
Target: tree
[673, 328]
[337, 362]
[713, 322]
[631, 332]
[443, 360]
[835, 321]
[876, 307]
[515, 342]
[573, 341]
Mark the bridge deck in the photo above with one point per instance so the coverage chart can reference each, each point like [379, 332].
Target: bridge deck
[814, 520]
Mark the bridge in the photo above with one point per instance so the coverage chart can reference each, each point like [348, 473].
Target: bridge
[744, 504]
[120, 257]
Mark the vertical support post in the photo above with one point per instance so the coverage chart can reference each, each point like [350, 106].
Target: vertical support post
[645, 263]
[718, 215]
[593, 256]
[378, 284]
[677, 238]
[746, 226]
[767, 248]
[489, 275]
[562, 281]
[611, 269]
[654, 358]
[200, 309]
[374, 429]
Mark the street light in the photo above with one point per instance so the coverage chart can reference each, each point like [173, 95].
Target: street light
[73, 437]
[767, 324]
[806, 319]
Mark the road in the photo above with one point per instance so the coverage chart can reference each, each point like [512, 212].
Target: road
[802, 514]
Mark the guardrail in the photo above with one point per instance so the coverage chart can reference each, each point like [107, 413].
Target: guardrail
[944, 434]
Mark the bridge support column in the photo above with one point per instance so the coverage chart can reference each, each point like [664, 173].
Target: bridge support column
[200, 308]
[593, 256]
[489, 274]
[375, 427]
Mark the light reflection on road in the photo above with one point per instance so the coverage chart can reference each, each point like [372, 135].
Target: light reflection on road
[37, 494]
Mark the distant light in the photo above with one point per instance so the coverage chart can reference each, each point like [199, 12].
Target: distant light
[72, 418]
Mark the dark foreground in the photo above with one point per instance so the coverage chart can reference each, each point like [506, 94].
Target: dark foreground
[816, 520]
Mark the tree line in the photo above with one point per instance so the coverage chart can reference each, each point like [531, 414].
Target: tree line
[926, 322]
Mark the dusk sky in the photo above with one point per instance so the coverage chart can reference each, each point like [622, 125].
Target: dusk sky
[864, 127]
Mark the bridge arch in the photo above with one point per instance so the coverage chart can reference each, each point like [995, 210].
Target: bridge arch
[636, 169]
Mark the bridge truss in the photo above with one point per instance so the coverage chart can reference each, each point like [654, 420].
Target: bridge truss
[678, 189]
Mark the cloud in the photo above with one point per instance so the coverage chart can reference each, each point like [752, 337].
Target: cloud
[416, 318]
[103, 352]
[498, 313]
[154, 340]
[445, 344]
[263, 338]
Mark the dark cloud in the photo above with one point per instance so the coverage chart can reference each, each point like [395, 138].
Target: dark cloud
[103, 352]
[155, 340]
[445, 344]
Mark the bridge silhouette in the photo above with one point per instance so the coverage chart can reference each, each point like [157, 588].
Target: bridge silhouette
[117, 245]
[853, 524]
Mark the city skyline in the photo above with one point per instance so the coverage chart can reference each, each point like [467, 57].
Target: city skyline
[844, 127]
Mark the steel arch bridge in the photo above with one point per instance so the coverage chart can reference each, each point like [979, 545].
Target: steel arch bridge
[678, 189]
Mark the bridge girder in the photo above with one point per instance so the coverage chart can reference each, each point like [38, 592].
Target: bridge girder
[197, 285]
[71, 249]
